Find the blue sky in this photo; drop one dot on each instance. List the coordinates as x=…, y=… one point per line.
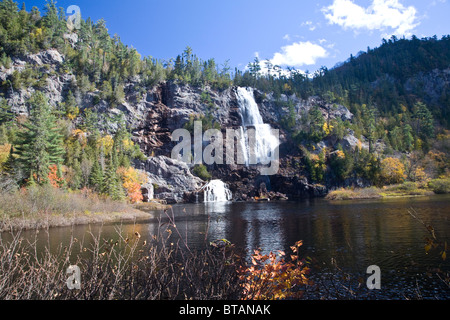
x=299, y=33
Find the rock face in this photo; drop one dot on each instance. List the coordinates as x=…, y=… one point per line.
x=171, y=179
x=49, y=57
x=432, y=83
x=154, y=113
x=48, y=64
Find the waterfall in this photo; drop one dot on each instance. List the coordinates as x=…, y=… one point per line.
x=217, y=191
x=260, y=148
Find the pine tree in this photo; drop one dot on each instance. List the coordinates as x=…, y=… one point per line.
x=118, y=95
x=408, y=139
x=96, y=176
x=6, y=114
x=71, y=107
x=112, y=185
x=8, y=167
x=76, y=181
x=40, y=143
x=423, y=120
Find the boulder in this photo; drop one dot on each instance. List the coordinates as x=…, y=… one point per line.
x=171, y=178
x=50, y=57
x=147, y=191
x=350, y=142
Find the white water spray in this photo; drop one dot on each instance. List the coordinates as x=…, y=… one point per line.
x=217, y=191
x=258, y=149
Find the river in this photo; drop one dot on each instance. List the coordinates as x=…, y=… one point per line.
x=340, y=238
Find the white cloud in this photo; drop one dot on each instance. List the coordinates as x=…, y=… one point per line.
x=311, y=26
x=299, y=54
x=383, y=15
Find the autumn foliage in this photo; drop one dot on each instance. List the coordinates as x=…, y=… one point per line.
x=54, y=177
x=271, y=277
x=132, y=181
x=392, y=171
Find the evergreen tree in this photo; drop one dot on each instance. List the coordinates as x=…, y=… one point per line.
x=70, y=106
x=96, y=176
x=40, y=143
x=316, y=122
x=6, y=114
x=423, y=120
x=76, y=181
x=8, y=167
x=112, y=185
x=408, y=139
x=118, y=95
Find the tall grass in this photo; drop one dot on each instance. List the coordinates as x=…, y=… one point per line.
x=397, y=190
x=129, y=268
x=43, y=206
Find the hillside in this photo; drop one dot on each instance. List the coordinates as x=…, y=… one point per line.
x=399, y=72
x=108, y=112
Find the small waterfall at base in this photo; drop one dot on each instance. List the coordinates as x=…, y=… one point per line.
x=217, y=191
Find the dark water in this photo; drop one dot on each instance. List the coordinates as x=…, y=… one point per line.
x=350, y=235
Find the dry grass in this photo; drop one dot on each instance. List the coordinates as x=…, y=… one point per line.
x=407, y=189
x=124, y=268
x=41, y=207
x=358, y=193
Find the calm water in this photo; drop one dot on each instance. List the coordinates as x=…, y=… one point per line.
x=352, y=234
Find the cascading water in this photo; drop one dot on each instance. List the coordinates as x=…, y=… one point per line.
x=217, y=191
x=261, y=149
x=257, y=148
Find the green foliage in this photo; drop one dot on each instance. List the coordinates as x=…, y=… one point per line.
x=341, y=166
x=440, y=186
x=423, y=120
x=202, y=172
x=288, y=121
x=315, y=165
x=96, y=176
x=112, y=185
x=6, y=114
x=188, y=68
x=40, y=143
x=118, y=95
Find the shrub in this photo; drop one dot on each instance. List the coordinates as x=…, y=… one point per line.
x=392, y=171
x=348, y=194
x=202, y=172
x=440, y=186
x=47, y=200
x=271, y=277
x=126, y=267
x=132, y=180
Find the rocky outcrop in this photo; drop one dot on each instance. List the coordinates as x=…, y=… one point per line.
x=171, y=179
x=433, y=84
x=49, y=57
x=297, y=187
x=55, y=84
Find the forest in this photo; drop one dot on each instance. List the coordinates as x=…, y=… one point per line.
x=386, y=88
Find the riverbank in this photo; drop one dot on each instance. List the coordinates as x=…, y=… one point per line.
x=44, y=207
x=406, y=189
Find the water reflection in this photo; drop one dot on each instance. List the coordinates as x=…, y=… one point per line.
x=356, y=234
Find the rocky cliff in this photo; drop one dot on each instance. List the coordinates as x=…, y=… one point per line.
x=154, y=113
